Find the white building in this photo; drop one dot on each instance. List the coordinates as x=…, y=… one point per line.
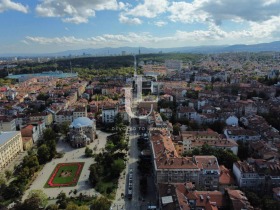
x=10, y=146
x=63, y=116
x=109, y=113
x=238, y=133
x=79, y=112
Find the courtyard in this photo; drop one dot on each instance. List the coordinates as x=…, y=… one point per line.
x=73, y=156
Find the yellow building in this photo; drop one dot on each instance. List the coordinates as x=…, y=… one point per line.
x=10, y=146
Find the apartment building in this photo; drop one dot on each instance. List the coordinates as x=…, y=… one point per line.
x=238, y=133
x=169, y=166
x=196, y=139
x=64, y=116
x=257, y=174
x=80, y=112
x=45, y=116
x=7, y=124
x=10, y=146
x=109, y=113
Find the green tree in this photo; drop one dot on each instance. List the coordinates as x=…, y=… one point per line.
x=2, y=179
x=49, y=134
x=43, y=154
x=93, y=176
x=164, y=118
x=42, y=96
x=176, y=129
x=73, y=206
x=117, y=167
x=14, y=190
x=24, y=174
x=8, y=174
x=253, y=198
x=43, y=198
x=88, y=152
x=101, y=203
x=64, y=128
x=62, y=200
x=243, y=150
x=52, y=207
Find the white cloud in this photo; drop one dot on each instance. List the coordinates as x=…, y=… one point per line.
x=213, y=35
x=129, y=20
x=76, y=11
x=187, y=12
x=10, y=5
x=149, y=9
x=219, y=11
x=253, y=10
x=160, y=23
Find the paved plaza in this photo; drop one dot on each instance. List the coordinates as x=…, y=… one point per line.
x=71, y=155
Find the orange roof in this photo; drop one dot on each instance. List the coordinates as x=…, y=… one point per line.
x=226, y=177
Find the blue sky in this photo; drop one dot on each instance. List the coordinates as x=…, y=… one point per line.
x=42, y=26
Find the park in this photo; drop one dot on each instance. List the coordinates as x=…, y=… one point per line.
x=65, y=175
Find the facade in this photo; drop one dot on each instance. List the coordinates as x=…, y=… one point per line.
x=30, y=131
x=63, y=116
x=79, y=112
x=45, y=116
x=7, y=124
x=109, y=113
x=10, y=146
x=257, y=174
x=169, y=167
x=27, y=143
x=82, y=132
x=238, y=133
x=196, y=139
x=185, y=112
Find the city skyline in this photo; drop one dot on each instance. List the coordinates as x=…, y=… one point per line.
x=49, y=26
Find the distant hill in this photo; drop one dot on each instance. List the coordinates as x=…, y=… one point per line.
x=108, y=51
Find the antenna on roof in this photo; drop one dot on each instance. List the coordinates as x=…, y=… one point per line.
x=8, y=69
x=71, y=67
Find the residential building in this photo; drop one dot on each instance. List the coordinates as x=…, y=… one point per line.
x=188, y=113
x=63, y=116
x=45, y=116
x=109, y=113
x=257, y=174
x=238, y=133
x=226, y=179
x=80, y=112
x=10, y=147
x=7, y=124
x=203, y=171
x=196, y=139
x=27, y=143
x=30, y=131
x=238, y=200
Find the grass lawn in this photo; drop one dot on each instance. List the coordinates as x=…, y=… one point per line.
x=65, y=175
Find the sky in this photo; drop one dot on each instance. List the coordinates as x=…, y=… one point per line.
x=46, y=26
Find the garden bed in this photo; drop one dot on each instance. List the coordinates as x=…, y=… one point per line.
x=65, y=175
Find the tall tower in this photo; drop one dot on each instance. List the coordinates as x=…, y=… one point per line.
x=139, y=51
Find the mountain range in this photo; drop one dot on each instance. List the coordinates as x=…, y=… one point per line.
x=262, y=47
